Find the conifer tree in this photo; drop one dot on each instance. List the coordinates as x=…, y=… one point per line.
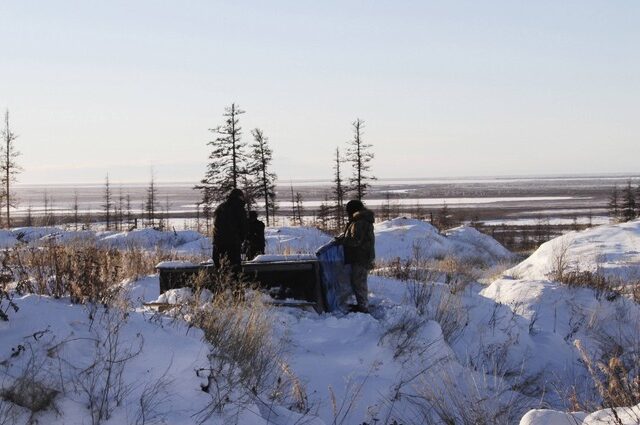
x=338, y=191
x=108, y=202
x=128, y=213
x=614, y=203
x=75, y=208
x=8, y=166
x=638, y=201
x=227, y=161
x=299, y=208
x=293, y=205
x=628, y=203
x=260, y=168
x=151, y=202
x=444, y=217
x=324, y=214
x=359, y=155
x=120, y=210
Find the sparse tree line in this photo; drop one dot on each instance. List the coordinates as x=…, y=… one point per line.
x=119, y=215
x=234, y=163
x=624, y=204
x=330, y=216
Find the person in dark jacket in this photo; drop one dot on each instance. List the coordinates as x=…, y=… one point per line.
x=255, y=243
x=359, y=250
x=230, y=230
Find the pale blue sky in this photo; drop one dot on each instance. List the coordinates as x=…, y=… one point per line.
x=446, y=88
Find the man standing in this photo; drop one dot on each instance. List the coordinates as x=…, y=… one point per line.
x=255, y=237
x=359, y=250
x=230, y=230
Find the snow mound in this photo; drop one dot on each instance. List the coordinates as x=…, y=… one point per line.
x=54, y=332
x=472, y=242
x=150, y=238
x=177, y=264
x=267, y=258
x=551, y=417
x=613, y=250
x=294, y=240
x=407, y=238
x=622, y=415
x=182, y=241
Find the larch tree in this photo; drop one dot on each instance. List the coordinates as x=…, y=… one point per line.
x=324, y=214
x=293, y=205
x=444, y=218
x=151, y=202
x=260, y=168
x=628, y=203
x=359, y=155
x=614, y=203
x=338, y=191
x=75, y=208
x=299, y=213
x=638, y=201
x=227, y=160
x=9, y=167
x=108, y=202
x=128, y=211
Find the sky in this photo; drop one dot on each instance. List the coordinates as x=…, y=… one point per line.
x=446, y=88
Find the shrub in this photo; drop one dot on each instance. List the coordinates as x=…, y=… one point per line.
x=245, y=361
x=82, y=270
x=617, y=383
x=6, y=296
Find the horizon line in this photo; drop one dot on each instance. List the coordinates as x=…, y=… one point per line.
x=379, y=179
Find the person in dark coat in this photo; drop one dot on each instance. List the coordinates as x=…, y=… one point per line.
x=230, y=230
x=255, y=242
x=359, y=250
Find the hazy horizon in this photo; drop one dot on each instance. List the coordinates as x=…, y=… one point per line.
x=378, y=181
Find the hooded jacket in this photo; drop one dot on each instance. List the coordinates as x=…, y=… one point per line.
x=230, y=224
x=359, y=239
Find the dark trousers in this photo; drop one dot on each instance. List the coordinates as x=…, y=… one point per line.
x=359, y=275
x=232, y=253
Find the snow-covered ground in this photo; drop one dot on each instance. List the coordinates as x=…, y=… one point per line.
x=408, y=238
x=613, y=250
x=425, y=354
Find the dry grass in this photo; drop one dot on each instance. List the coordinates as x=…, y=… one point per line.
x=618, y=384
x=31, y=389
x=246, y=363
x=6, y=296
x=82, y=270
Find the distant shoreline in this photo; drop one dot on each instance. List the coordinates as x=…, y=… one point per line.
x=379, y=182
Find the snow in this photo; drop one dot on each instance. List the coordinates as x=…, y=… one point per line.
x=407, y=238
x=266, y=258
x=175, y=264
x=185, y=242
x=294, y=240
x=613, y=250
x=515, y=345
x=622, y=415
x=168, y=352
x=552, y=417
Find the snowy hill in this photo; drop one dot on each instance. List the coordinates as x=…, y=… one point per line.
x=406, y=238
x=613, y=250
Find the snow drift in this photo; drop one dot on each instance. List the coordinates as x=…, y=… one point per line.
x=407, y=238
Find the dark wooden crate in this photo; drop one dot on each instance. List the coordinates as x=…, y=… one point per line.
x=284, y=280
